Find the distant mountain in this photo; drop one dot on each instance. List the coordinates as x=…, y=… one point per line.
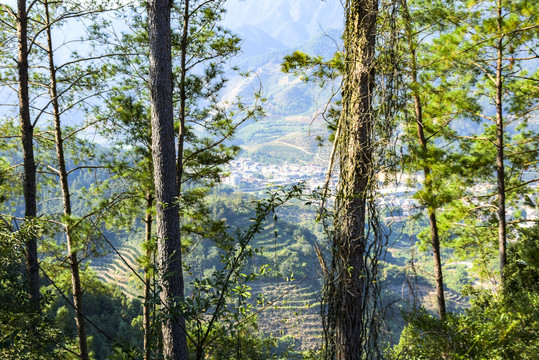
x=289, y=131
x=291, y=22
x=257, y=42
x=272, y=29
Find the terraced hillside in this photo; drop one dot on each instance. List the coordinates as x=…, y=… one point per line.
x=295, y=312
x=118, y=270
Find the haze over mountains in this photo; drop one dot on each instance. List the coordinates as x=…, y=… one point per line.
x=284, y=23
x=271, y=30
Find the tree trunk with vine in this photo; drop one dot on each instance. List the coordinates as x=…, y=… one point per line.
x=355, y=156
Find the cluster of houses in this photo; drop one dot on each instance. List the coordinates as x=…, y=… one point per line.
x=397, y=200
x=248, y=175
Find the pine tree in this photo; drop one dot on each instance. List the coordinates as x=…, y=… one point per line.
x=437, y=98
x=65, y=84
x=200, y=49
x=427, y=169
x=495, y=40
x=20, y=19
x=166, y=191
x=27, y=138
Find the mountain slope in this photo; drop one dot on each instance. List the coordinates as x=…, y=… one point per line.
x=290, y=22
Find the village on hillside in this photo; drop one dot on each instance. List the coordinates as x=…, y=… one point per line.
x=397, y=197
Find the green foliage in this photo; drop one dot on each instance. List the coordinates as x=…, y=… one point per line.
x=491, y=329
x=23, y=333
x=227, y=245
x=219, y=311
x=523, y=270
x=453, y=49
x=114, y=314
x=243, y=344
x=314, y=67
x=495, y=326
x=5, y=186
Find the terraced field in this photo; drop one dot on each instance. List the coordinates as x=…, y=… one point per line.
x=118, y=270
x=294, y=305
x=295, y=311
x=426, y=295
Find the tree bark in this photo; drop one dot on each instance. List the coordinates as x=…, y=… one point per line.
x=183, y=95
x=27, y=137
x=500, y=171
x=147, y=278
x=66, y=199
x=166, y=193
x=438, y=274
x=355, y=154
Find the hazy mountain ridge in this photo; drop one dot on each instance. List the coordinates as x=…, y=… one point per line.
x=292, y=107
x=271, y=30
x=289, y=22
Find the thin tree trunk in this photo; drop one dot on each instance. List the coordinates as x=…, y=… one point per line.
x=183, y=95
x=434, y=237
x=166, y=191
x=500, y=172
x=73, y=261
x=438, y=275
x=351, y=333
x=27, y=137
x=147, y=278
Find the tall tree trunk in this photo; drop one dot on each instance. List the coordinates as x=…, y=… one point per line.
x=148, y=279
x=434, y=237
x=500, y=172
x=166, y=193
x=66, y=199
x=27, y=137
x=418, y=108
x=355, y=154
x=183, y=95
